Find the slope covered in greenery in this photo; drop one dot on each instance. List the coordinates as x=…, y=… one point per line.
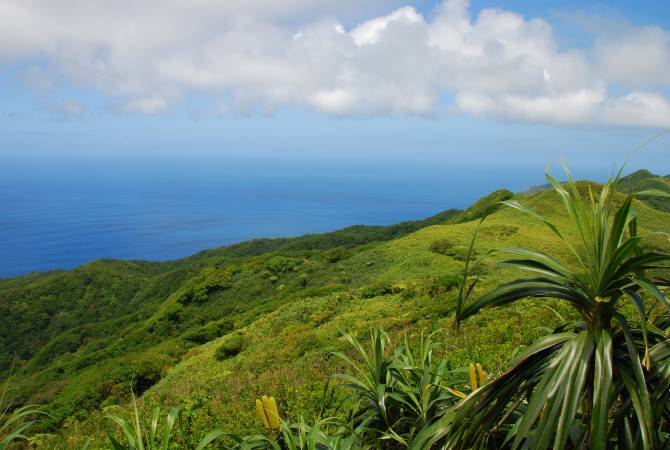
x=82, y=339
x=643, y=180
x=212, y=332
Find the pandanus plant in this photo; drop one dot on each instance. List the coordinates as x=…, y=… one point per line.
x=602, y=382
x=398, y=393
x=137, y=436
x=15, y=424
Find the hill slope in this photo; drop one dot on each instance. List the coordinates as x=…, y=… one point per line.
x=643, y=180
x=82, y=339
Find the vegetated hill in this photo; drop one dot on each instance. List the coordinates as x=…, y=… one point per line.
x=82, y=338
x=643, y=180
x=215, y=331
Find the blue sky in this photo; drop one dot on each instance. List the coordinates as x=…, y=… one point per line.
x=517, y=82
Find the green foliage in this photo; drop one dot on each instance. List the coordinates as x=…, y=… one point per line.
x=281, y=265
x=441, y=246
x=380, y=289
x=643, y=180
x=15, y=424
x=337, y=254
x=400, y=394
x=210, y=331
x=231, y=347
x=349, y=237
x=199, y=288
x=137, y=436
x=443, y=284
x=599, y=383
x=484, y=206
x=301, y=436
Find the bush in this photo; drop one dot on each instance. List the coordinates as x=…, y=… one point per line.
x=210, y=280
x=173, y=313
x=338, y=254
x=444, y=284
x=210, y=331
x=232, y=347
x=440, y=246
x=378, y=290
x=279, y=265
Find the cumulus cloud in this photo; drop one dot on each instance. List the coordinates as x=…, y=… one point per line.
x=638, y=56
x=267, y=54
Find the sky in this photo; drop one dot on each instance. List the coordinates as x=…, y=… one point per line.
x=515, y=82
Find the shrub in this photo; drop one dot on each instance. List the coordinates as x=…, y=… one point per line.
x=378, y=290
x=202, y=286
x=173, y=313
x=441, y=246
x=444, y=284
x=337, y=254
x=210, y=331
x=232, y=347
x=279, y=265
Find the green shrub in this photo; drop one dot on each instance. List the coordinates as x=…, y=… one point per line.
x=441, y=246
x=173, y=313
x=378, y=290
x=444, y=284
x=232, y=347
x=279, y=265
x=338, y=254
x=210, y=331
x=210, y=280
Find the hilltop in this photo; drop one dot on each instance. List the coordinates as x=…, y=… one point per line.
x=214, y=331
x=643, y=180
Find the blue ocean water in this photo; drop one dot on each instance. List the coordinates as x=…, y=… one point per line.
x=58, y=214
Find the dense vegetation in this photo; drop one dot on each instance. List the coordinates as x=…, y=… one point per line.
x=211, y=333
x=643, y=180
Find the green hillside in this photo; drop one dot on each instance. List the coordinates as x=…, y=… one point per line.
x=213, y=332
x=643, y=180
x=83, y=338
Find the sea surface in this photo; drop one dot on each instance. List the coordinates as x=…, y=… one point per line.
x=60, y=213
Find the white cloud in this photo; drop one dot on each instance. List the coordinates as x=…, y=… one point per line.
x=370, y=32
x=638, y=108
x=148, y=105
x=268, y=54
x=639, y=57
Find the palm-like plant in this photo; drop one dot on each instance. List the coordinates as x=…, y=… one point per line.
x=600, y=383
x=15, y=424
x=398, y=394
x=301, y=436
x=136, y=436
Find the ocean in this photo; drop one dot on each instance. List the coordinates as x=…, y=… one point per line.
x=61, y=213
